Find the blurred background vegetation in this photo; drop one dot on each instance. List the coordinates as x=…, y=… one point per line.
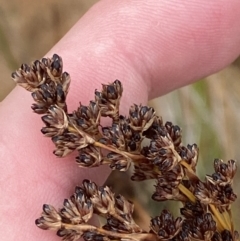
x=207, y=111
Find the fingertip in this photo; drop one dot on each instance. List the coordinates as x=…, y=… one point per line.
x=164, y=44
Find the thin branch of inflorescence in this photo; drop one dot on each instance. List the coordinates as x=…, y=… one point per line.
x=206, y=204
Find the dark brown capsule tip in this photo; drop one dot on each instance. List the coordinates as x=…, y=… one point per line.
x=111, y=89
x=216, y=176
x=169, y=123
x=25, y=68
x=98, y=94
x=144, y=110
x=44, y=130
x=162, y=151
x=55, y=56
x=46, y=208
x=176, y=128
x=132, y=145
x=118, y=82
x=14, y=75
x=35, y=62
x=61, y=233
x=217, y=161
x=86, y=181
x=66, y=203
x=38, y=221
x=226, y=235
x=56, y=65
x=80, y=193
x=65, y=75
x=47, y=119
x=60, y=93
x=45, y=61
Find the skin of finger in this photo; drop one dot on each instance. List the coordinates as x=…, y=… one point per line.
x=168, y=43
x=151, y=46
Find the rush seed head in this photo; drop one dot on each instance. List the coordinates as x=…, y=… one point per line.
x=206, y=204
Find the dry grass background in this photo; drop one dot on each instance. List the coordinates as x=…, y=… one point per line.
x=207, y=111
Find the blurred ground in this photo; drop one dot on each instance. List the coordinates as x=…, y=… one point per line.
x=207, y=111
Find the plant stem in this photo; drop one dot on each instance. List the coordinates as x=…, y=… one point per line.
x=134, y=157
x=227, y=219
x=125, y=236
x=221, y=224
x=187, y=193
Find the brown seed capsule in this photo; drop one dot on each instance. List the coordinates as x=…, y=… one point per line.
x=69, y=235
x=90, y=187
x=103, y=201
x=112, y=91
x=165, y=226
x=165, y=159
x=56, y=66
x=92, y=236
x=191, y=210
x=190, y=155
x=50, y=218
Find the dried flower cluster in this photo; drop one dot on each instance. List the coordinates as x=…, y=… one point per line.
x=206, y=204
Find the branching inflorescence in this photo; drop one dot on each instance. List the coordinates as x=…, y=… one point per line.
x=206, y=205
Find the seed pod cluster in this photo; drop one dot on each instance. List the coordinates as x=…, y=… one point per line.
x=141, y=139
x=71, y=220
x=44, y=78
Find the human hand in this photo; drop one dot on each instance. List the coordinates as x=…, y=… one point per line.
x=152, y=46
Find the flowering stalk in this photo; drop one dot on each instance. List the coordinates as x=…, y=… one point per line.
x=206, y=204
